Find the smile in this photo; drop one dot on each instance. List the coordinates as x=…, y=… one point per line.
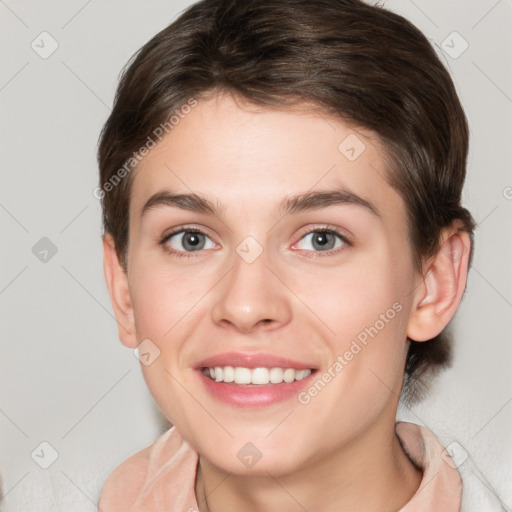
x=255, y=376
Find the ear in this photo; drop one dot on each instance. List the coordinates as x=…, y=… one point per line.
x=444, y=280
x=117, y=284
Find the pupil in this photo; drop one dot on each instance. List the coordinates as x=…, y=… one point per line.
x=323, y=241
x=192, y=241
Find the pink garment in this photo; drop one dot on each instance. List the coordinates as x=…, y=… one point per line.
x=161, y=478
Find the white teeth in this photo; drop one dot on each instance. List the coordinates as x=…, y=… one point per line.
x=300, y=374
x=276, y=375
x=289, y=375
x=258, y=376
x=229, y=374
x=242, y=376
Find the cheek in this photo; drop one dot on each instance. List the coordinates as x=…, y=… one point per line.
x=366, y=310
x=364, y=371
x=165, y=308
x=163, y=299
x=351, y=298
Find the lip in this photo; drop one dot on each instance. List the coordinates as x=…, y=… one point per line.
x=252, y=395
x=252, y=360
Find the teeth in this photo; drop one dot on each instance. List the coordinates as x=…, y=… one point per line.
x=276, y=375
x=289, y=375
x=228, y=374
x=242, y=375
x=258, y=376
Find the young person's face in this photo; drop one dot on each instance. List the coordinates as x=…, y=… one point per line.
x=266, y=284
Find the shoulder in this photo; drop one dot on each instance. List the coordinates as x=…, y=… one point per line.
x=440, y=464
x=136, y=481
x=124, y=484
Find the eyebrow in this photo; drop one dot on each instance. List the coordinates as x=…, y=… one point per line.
x=289, y=205
x=322, y=199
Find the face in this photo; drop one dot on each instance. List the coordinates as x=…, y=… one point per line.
x=266, y=247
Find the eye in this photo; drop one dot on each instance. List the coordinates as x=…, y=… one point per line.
x=187, y=241
x=322, y=240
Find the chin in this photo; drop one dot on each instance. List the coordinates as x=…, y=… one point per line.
x=253, y=462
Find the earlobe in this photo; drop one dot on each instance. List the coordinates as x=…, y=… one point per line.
x=439, y=295
x=117, y=284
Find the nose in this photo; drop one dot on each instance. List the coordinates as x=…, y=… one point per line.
x=251, y=297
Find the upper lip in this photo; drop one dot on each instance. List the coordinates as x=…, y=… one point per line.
x=252, y=360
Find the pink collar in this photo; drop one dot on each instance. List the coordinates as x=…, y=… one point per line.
x=163, y=476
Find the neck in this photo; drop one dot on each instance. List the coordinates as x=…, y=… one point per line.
x=372, y=474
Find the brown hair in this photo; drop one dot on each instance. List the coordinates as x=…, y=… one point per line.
x=364, y=64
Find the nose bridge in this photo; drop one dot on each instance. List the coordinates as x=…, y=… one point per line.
x=251, y=294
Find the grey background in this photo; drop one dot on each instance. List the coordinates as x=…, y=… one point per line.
x=65, y=378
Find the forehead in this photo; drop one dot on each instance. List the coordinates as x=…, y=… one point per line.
x=248, y=158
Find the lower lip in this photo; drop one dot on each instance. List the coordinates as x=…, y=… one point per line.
x=253, y=395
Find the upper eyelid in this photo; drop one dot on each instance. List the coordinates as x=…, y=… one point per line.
x=184, y=229
x=346, y=236
x=324, y=227
x=307, y=231
x=344, y=239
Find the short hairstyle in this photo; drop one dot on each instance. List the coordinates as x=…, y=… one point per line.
x=366, y=65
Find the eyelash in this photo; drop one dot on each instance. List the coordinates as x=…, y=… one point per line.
x=183, y=229
x=314, y=254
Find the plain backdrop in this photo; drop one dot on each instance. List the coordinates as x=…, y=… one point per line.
x=66, y=380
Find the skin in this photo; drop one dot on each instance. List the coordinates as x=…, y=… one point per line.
x=326, y=454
